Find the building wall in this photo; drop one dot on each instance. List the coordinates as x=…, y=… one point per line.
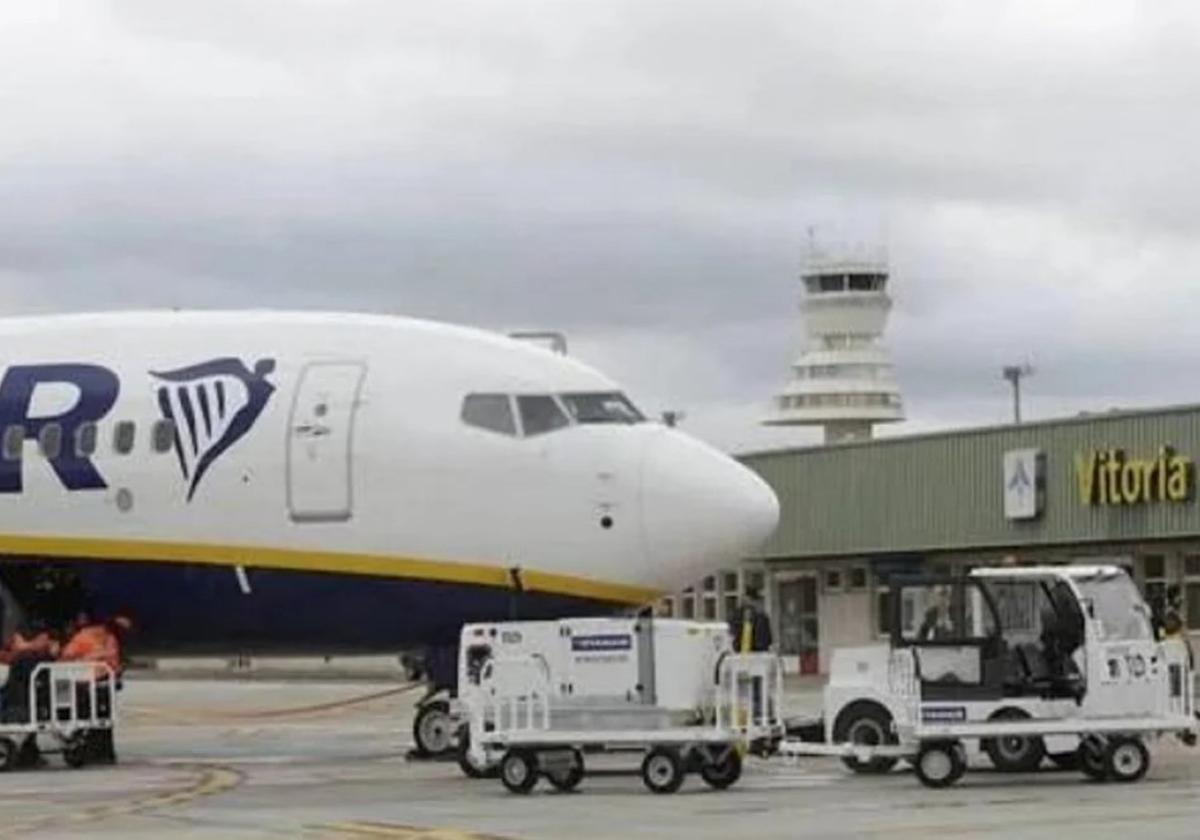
x=936, y=503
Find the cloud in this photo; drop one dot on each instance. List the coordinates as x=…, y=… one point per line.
x=639, y=174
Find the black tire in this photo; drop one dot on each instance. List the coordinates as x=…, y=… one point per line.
x=1127, y=759
x=939, y=764
x=1014, y=754
x=663, y=771
x=725, y=773
x=519, y=771
x=77, y=752
x=8, y=755
x=1093, y=759
x=433, y=730
x=468, y=767
x=869, y=724
x=1065, y=761
x=568, y=779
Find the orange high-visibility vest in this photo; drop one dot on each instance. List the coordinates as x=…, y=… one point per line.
x=94, y=643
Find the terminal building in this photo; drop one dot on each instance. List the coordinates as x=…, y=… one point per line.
x=1112, y=488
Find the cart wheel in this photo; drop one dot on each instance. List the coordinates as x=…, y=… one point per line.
x=725, y=773
x=940, y=764
x=1093, y=759
x=1014, y=754
x=8, y=755
x=1127, y=759
x=77, y=751
x=566, y=779
x=432, y=729
x=663, y=770
x=866, y=724
x=519, y=771
x=468, y=767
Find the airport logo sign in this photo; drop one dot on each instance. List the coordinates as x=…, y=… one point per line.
x=212, y=406
x=1024, y=484
x=1110, y=478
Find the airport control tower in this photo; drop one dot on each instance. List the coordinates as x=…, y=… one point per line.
x=843, y=379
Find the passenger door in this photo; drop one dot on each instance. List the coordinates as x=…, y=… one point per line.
x=320, y=466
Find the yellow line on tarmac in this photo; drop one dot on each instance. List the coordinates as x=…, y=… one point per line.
x=209, y=781
x=209, y=715
x=403, y=832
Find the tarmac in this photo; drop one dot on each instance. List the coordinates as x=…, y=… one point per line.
x=224, y=758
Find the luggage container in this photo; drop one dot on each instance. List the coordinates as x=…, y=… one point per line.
x=70, y=704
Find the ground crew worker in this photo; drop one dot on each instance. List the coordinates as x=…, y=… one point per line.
x=750, y=626
x=100, y=642
x=25, y=651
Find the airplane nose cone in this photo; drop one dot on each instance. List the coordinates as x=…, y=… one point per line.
x=701, y=509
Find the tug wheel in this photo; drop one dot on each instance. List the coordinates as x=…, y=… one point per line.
x=433, y=730
x=663, y=770
x=519, y=771
x=566, y=779
x=1127, y=759
x=1014, y=754
x=8, y=755
x=1093, y=759
x=468, y=767
x=723, y=774
x=866, y=724
x=940, y=764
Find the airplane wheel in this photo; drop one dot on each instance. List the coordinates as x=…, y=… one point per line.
x=940, y=764
x=468, y=767
x=566, y=779
x=866, y=724
x=432, y=729
x=1093, y=760
x=663, y=771
x=519, y=771
x=1127, y=759
x=8, y=755
x=725, y=773
x=1014, y=754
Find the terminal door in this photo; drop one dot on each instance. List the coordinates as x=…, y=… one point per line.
x=320, y=459
x=799, y=623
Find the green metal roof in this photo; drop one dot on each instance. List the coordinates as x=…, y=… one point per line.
x=946, y=491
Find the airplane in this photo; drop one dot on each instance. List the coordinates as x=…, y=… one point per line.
x=268, y=482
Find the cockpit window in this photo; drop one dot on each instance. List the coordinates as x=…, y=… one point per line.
x=540, y=415
x=601, y=408
x=490, y=411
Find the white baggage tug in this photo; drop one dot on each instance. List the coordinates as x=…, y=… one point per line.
x=1020, y=663
x=539, y=695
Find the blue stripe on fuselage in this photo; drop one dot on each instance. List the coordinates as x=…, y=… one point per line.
x=200, y=609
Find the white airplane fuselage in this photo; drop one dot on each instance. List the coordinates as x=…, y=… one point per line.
x=310, y=482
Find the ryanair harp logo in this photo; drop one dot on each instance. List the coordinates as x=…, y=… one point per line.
x=213, y=405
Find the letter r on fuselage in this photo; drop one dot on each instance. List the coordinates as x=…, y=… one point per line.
x=98, y=391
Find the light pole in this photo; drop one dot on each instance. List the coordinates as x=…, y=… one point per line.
x=1014, y=374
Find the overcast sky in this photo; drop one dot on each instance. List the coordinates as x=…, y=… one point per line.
x=639, y=174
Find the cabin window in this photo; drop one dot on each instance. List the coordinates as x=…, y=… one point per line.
x=124, y=437
x=490, y=411
x=50, y=440
x=14, y=443
x=85, y=440
x=601, y=408
x=540, y=415
x=162, y=438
